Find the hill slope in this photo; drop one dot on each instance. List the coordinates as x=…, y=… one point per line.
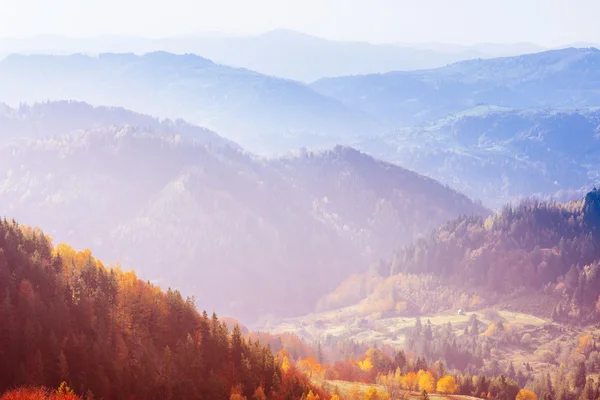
x=537, y=257
x=556, y=78
x=67, y=318
x=188, y=212
x=258, y=111
x=500, y=154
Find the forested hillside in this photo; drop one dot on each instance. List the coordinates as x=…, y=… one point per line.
x=43, y=120
x=65, y=317
x=501, y=307
x=185, y=208
x=537, y=257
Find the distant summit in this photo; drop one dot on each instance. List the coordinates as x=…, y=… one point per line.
x=260, y=112
x=556, y=78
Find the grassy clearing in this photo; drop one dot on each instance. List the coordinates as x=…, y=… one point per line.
x=351, y=324
x=343, y=388
x=375, y=329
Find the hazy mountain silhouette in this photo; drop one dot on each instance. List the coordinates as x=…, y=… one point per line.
x=194, y=212
x=281, y=52
x=258, y=111
x=557, y=78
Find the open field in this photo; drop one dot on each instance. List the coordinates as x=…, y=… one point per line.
x=375, y=328
x=539, y=351
x=343, y=388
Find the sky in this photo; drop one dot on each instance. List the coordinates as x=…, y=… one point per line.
x=543, y=22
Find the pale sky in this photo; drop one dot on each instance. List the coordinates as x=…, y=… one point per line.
x=544, y=22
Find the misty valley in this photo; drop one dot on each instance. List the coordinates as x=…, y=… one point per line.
x=274, y=217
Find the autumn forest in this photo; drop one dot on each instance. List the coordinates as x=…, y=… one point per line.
x=281, y=216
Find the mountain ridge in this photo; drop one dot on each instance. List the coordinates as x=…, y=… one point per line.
x=555, y=78
x=216, y=206
x=253, y=109
x=501, y=154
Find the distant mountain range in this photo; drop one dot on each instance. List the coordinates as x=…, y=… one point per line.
x=260, y=112
x=282, y=52
x=510, y=117
x=189, y=209
x=558, y=78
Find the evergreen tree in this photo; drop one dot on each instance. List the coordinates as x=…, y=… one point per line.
x=400, y=360
x=580, y=376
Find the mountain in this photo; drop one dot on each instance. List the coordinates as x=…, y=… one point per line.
x=52, y=119
x=511, y=300
x=281, y=52
x=191, y=210
x=500, y=154
x=260, y=112
x=537, y=257
x=556, y=78
x=484, y=50
x=107, y=334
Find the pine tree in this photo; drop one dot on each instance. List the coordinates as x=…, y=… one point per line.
x=236, y=347
x=580, y=376
x=400, y=360
x=63, y=367
x=64, y=388
x=511, y=371
x=421, y=364
x=474, y=325
x=418, y=327
x=589, y=391
x=319, y=354
x=428, y=332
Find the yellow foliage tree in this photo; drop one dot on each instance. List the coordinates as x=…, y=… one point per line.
x=285, y=365
x=586, y=343
x=236, y=393
x=365, y=365
x=489, y=223
x=410, y=381
x=311, y=367
x=259, y=394
x=447, y=385
x=335, y=397
x=526, y=395
x=312, y=396
x=371, y=393
x=398, y=376
x=63, y=388
x=426, y=381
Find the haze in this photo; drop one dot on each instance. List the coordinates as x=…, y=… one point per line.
x=544, y=22
x=395, y=199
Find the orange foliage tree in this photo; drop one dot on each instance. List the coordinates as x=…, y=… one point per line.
x=447, y=385
x=410, y=381
x=526, y=395
x=426, y=381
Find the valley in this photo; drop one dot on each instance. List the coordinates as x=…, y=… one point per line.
x=284, y=216
x=352, y=324
x=126, y=185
